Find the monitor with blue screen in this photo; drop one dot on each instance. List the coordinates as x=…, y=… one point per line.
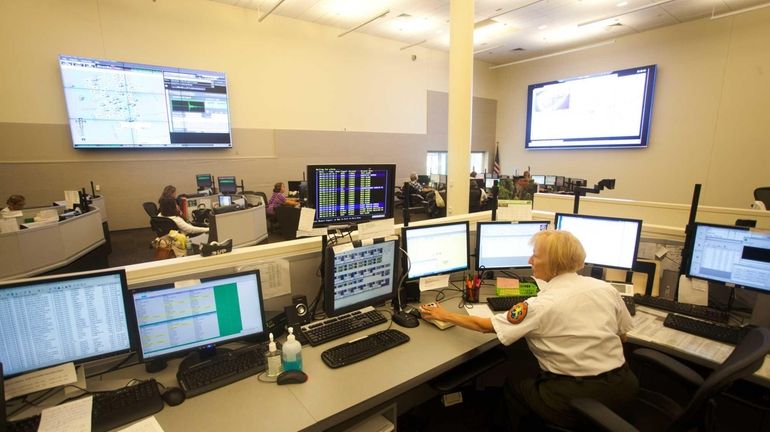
x=731, y=255
x=608, y=242
x=436, y=249
x=202, y=314
x=356, y=277
x=227, y=185
x=505, y=245
x=74, y=318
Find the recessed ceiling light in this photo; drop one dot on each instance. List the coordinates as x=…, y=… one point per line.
x=624, y=3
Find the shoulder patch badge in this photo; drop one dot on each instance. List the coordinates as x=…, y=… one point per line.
x=517, y=313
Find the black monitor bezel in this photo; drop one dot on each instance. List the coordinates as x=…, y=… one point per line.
x=328, y=291
x=312, y=188
x=478, y=241
x=688, y=265
x=404, y=246
x=235, y=185
x=130, y=323
x=556, y=217
x=209, y=184
x=185, y=351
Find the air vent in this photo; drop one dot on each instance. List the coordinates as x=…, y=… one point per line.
x=518, y=49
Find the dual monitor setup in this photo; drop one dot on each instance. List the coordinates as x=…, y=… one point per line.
x=226, y=184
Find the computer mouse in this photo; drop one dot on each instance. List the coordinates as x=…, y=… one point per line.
x=405, y=319
x=173, y=396
x=292, y=377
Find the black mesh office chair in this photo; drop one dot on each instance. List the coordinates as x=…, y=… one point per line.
x=161, y=225
x=657, y=412
x=474, y=200
x=763, y=194
x=151, y=208
x=288, y=221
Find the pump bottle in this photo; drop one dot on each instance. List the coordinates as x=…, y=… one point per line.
x=291, y=356
x=273, y=356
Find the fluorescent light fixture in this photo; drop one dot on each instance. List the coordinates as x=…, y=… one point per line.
x=382, y=14
x=630, y=11
x=487, y=49
x=271, y=10
x=406, y=23
x=413, y=45
x=612, y=41
x=621, y=4
x=740, y=11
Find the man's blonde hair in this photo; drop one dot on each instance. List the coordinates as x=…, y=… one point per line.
x=562, y=249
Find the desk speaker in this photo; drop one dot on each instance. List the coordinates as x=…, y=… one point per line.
x=298, y=313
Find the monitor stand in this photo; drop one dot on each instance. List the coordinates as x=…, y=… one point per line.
x=200, y=356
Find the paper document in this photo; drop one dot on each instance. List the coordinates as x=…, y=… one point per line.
x=646, y=250
x=40, y=380
x=150, y=424
x=8, y=225
x=515, y=212
x=70, y=417
x=274, y=276
x=306, y=216
x=694, y=291
x=648, y=326
x=434, y=282
x=376, y=229
x=479, y=310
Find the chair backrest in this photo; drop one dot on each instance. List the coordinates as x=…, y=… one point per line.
x=746, y=358
x=151, y=208
x=474, y=200
x=288, y=219
x=763, y=194
x=162, y=225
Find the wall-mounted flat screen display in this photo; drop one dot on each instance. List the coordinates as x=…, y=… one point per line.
x=114, y=104
x=610, y=109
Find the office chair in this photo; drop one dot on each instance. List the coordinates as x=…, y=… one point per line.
x=151, y=208
x=162, y=225
x=763, y=194
x=474, y=200
x=656, y=412
x=288, y=221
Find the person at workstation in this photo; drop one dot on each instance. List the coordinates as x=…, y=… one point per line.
x=575, y=327
x=14, y=203
x=279, y=198
x=525, y=187
x=416, y=186
x=169, y=209
x=473, y=178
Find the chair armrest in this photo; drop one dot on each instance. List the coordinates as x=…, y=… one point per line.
x=601, y=416
x=677, y=368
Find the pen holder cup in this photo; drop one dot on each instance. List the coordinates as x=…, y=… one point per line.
x=472, y=293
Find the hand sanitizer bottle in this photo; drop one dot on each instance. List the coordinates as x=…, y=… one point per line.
x=273, y=356
x=292, y=355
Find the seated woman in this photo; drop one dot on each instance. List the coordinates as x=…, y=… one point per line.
x=575, y=327
x=14, y=203
x=169, y=209
x=279, y=199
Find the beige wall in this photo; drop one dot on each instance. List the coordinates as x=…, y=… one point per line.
x=710, y=118
x=298, y=94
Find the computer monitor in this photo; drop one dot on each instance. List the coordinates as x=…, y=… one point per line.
x=559, y=181
x=423, y=179
x=204, y=181
x=225, y=200
x=539, y=179
x=436, y=249
x=731, y=255
x=608, y=242
x=505, y=245
x=293, y=185
x=356, y=277
x=175, y=320
x=550, y=180
x=490, y=183
x=351, y=193
x=74, y=318
x=227, y=185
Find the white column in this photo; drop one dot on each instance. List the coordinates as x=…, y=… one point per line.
x=460, y=104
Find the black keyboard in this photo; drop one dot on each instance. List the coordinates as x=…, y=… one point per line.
x=702, y=312
x=111, y=409
x=710, y=330
x=343, y=325
x=360, y=349
x=630, y=304
x=504, y=303
x=226, y=368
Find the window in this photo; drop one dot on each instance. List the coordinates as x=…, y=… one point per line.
x=436, y=162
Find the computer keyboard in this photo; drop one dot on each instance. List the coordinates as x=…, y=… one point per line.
x=343, y=325
x=224, y=369
x=504, y=303
x=630, y=304
x=360, y=349
x=709, y=330
x=696, y=311
x=111, y=409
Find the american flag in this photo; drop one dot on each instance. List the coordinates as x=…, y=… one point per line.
x=496, y=166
